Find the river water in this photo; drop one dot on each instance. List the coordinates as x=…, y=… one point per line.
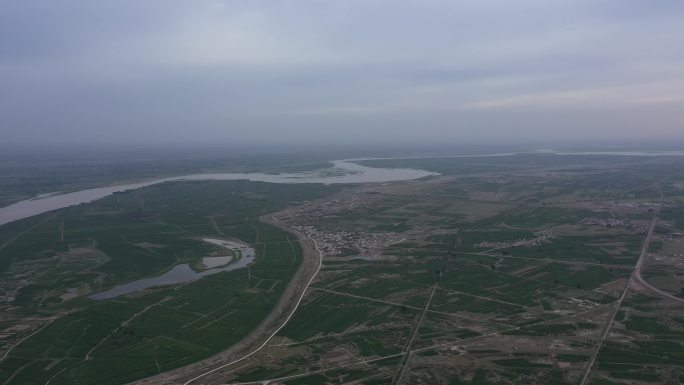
x=242, y=255
x=340, y=172
x=182, y=273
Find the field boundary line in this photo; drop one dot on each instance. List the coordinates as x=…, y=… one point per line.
x=27, y=337
x=634, y=276
x=318, y=268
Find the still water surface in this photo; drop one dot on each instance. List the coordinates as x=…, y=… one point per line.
x=244, y=255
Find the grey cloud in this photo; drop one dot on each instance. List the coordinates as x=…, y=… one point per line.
x=83, y=70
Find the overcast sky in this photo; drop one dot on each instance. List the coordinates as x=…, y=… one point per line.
x=340, y=70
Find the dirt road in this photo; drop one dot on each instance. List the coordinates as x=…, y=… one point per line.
x=205, y=371
x=635, y=277
x=408, y=353
x=638, y=278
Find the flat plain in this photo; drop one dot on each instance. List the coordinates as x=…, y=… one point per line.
x=534, y=269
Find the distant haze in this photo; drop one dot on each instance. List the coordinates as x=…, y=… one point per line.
x=296, y=71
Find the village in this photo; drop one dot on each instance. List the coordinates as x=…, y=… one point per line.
x=541, y=236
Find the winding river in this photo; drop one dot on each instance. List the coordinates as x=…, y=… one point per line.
x=244, y=255
x=241, y=254
x=340, y=172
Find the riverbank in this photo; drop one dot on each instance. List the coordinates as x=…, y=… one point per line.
x=341, y=172
x=278, y=316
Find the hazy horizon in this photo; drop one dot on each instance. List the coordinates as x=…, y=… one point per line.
x=109, y=153
x=307, y=73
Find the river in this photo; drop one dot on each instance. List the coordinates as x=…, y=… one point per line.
x=340, y=172
x=244, y=255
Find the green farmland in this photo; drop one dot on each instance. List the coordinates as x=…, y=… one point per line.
x=133, y=235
